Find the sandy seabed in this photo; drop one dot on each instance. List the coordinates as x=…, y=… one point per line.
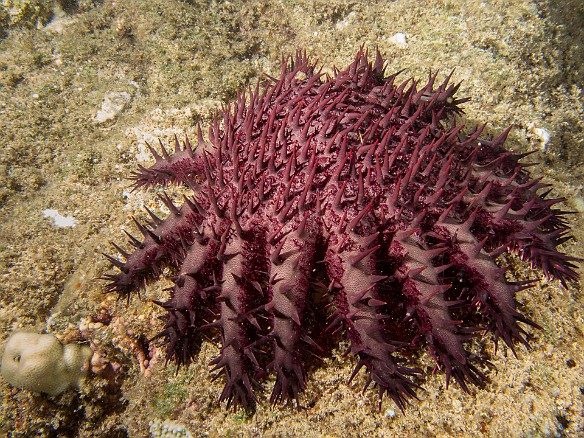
x=162, y=67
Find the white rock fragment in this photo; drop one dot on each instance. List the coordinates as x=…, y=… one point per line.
x=58, y=219
x=544, y=137
x=143, y=155
x=399, y=39
x=113, y=103
x=168, y=429
x=40, y=363
x=578, y=203
x=58, y=24
x=340, y=25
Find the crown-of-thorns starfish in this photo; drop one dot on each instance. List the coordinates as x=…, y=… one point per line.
x=354, y=197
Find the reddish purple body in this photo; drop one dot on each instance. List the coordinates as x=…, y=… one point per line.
x=351, y=197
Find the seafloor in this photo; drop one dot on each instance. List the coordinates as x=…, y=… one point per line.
x=171, y=64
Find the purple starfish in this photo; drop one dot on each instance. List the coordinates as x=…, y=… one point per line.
x=349, y=196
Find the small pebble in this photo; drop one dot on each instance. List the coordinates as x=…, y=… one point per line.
x=399, y=39
x=113, y=103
